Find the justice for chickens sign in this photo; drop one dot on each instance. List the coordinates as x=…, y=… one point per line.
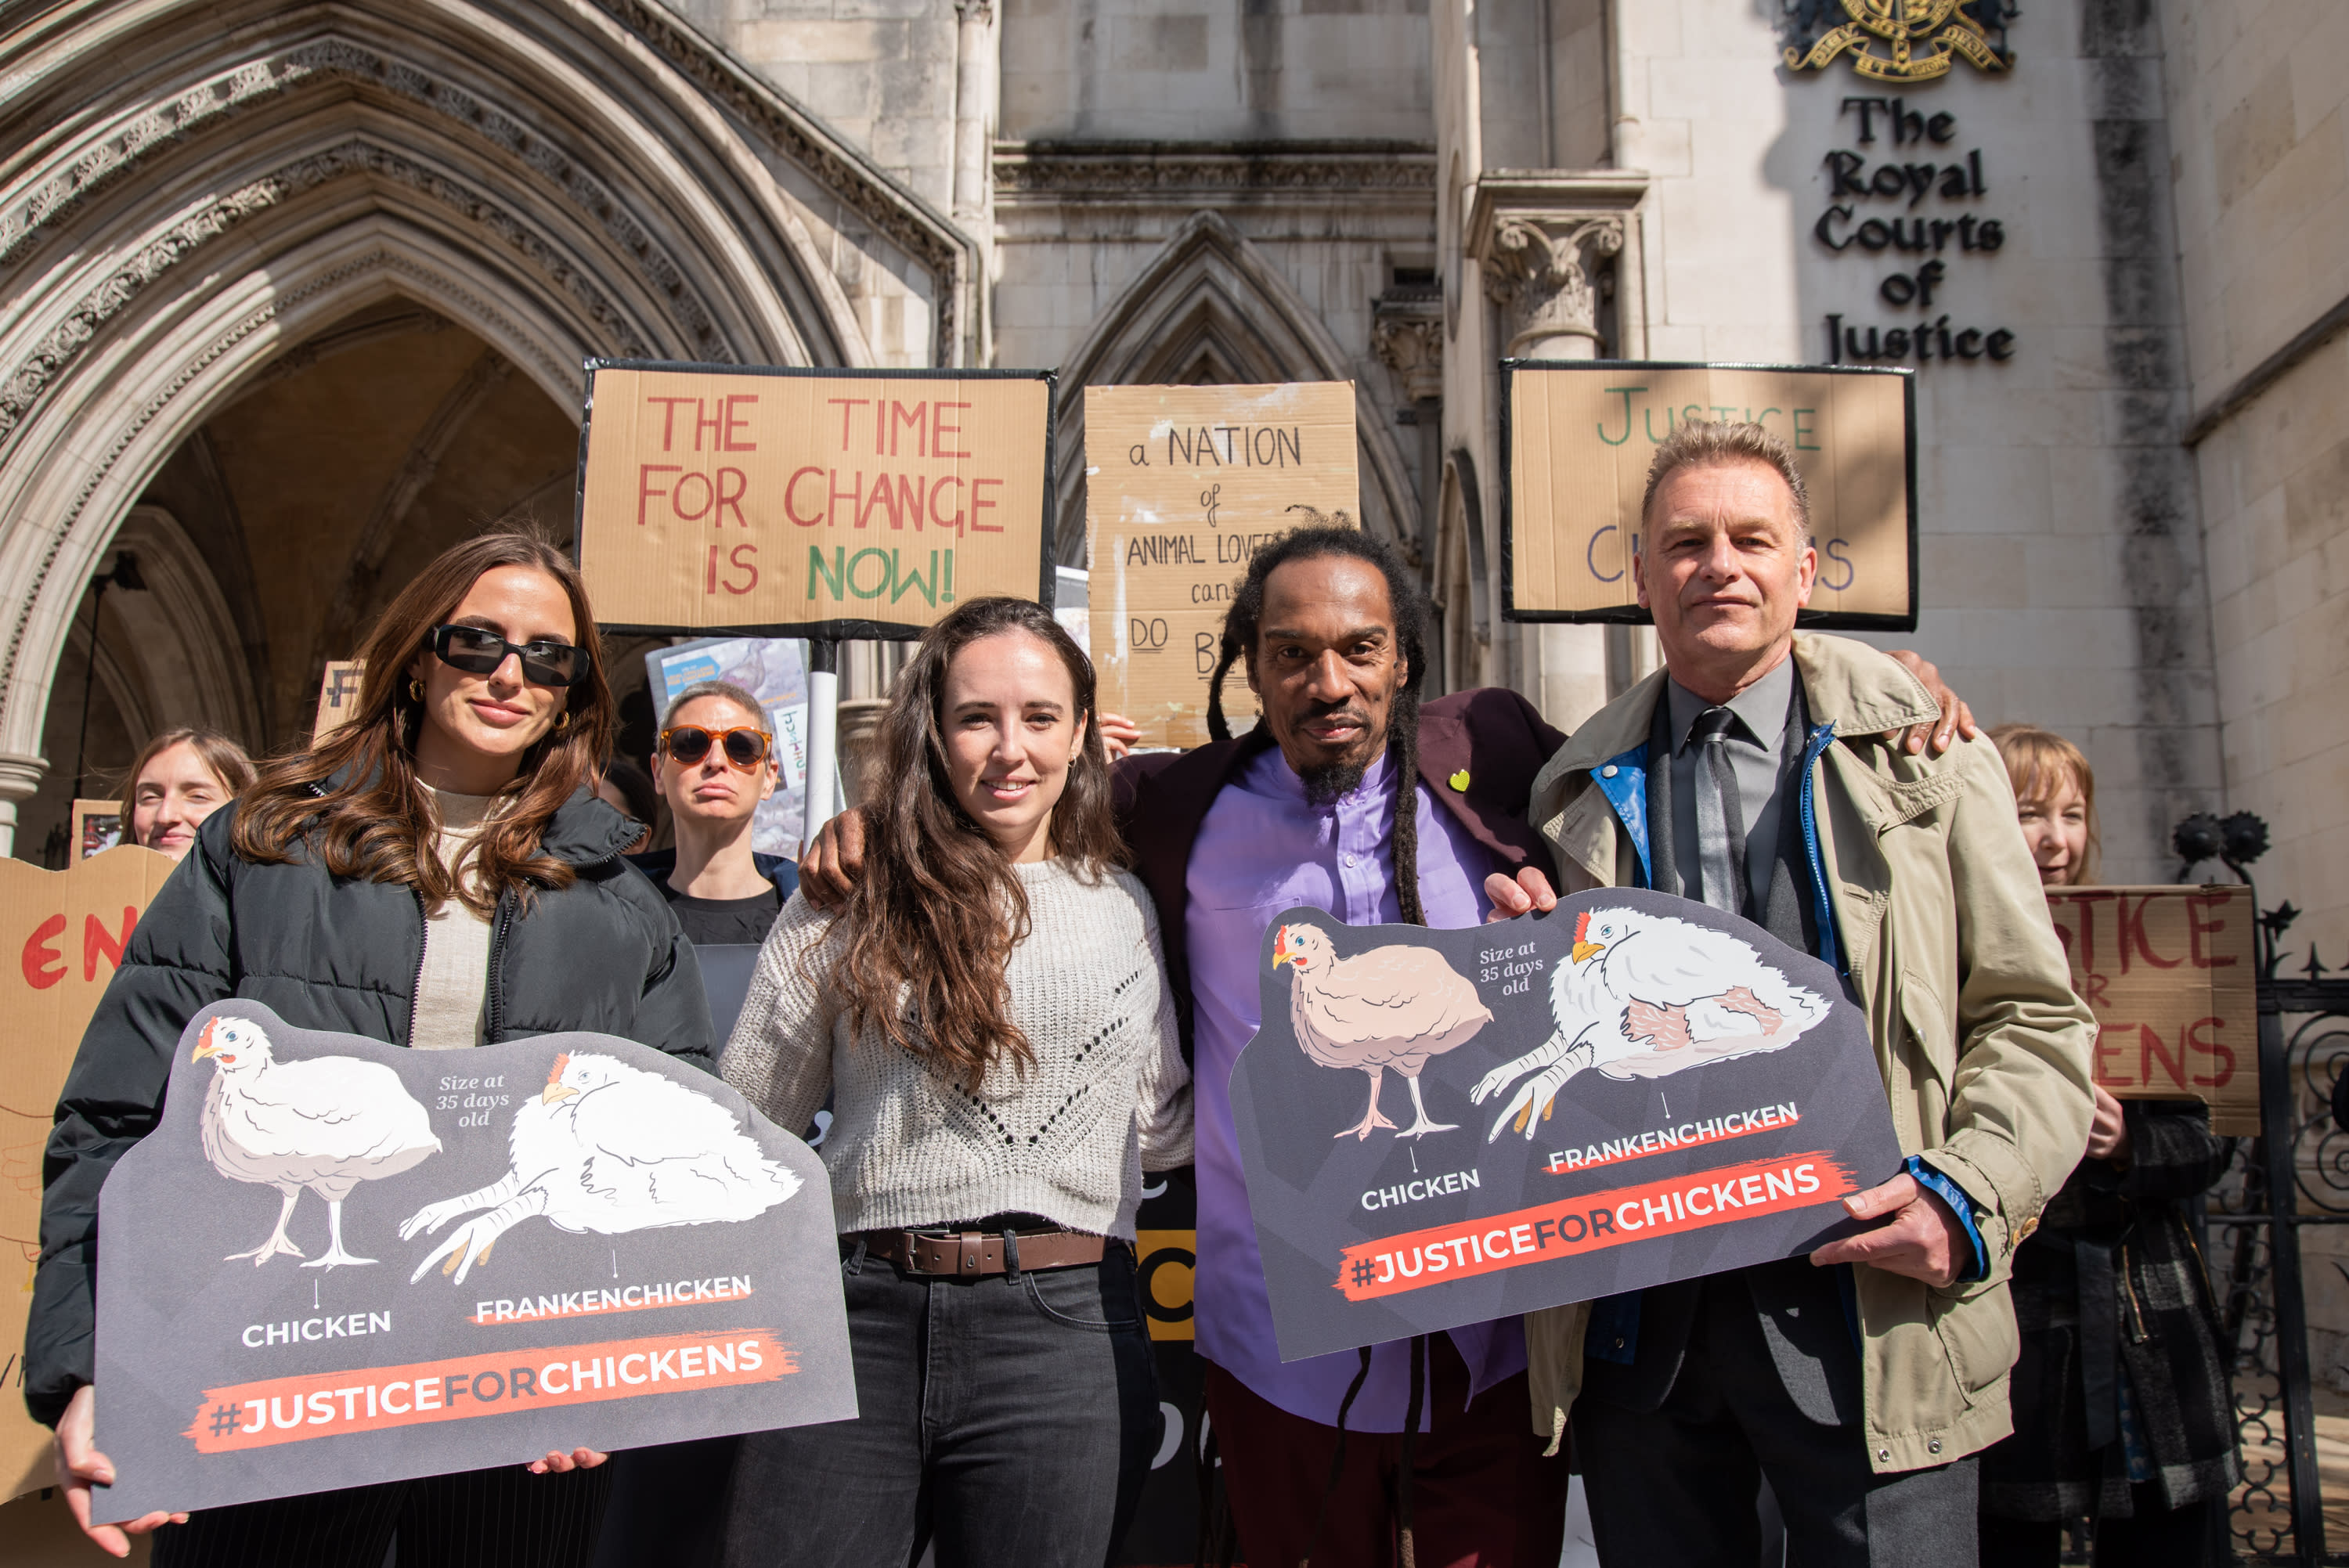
x=336, y=1261
x=803, y=504
x=1631, y=1089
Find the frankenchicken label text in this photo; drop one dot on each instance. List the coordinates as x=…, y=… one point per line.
x=1687, y=1135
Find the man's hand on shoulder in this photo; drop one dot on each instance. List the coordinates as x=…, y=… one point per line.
x=834, y=861
x=1920, y=1238
x=1957, y=719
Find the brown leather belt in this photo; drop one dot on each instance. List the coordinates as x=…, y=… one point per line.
x=970, y=1254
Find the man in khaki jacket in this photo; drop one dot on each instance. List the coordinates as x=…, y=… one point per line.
x=1761, y=772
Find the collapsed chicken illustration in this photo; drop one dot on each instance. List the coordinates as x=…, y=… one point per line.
x=324, y=1124
x=1389, y=1008
x=1647, y=995
x=611, y=1149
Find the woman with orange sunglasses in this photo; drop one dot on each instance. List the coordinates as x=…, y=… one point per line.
x=715, y=765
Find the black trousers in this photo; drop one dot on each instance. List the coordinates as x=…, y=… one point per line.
x=2194, y=1536
x=502, y=1518
x=1677, y=1485
x=1009, y=1421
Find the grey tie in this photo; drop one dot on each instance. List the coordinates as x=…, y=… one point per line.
x=1720, y=820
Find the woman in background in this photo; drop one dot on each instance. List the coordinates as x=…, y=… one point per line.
x=182, y=777
x=2122, y=1407
x=990, y=1012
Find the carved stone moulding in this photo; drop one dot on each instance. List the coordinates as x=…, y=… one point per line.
x=1198, y=171
x=1407, y=335
x=1544, y=242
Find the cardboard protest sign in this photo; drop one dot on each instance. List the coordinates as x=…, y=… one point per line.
x=338, y=1262
x=2172, y=975
x=1632, y=1089
x=1184, y=485
x=339, y=697
x=817, y=503
x=66, y=931
x=1577, y=437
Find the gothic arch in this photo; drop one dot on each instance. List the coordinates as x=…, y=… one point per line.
x=182, y=636
x=1211, y=307
x=207, y=184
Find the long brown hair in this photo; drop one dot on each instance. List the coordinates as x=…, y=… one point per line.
x=378, y=822
x=224, y=757
x=939, y=908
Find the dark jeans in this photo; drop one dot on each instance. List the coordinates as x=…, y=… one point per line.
x=2152, y=1536
x=1678, y=1484
x=502, y=1518
x=1481, y=1493
x=1009, y=1421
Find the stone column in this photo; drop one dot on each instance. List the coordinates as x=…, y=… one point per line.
x=977, y=68
x=1407, y=335
x=20, y=777
x=1544, y=272
x=1559, y=254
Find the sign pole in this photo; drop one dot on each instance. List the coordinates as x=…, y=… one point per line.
x=824, y=733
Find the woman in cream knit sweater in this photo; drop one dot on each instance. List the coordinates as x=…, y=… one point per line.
x=990, y=1016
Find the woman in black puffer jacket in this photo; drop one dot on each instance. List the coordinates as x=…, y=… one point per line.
x=436, y=874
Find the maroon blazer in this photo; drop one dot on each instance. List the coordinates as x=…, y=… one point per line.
x=1492, y=733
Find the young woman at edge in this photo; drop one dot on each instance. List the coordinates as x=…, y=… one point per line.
x=991, y=1014
x=437, y=874
x=179, y=778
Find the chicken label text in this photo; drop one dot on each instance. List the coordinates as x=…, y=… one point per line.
x=326, y=1404
x=1687, y=1135
x=1418, y=1191
x=1440, y=1253
x=262, y=1336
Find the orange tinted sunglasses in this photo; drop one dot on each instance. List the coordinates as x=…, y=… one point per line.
x=745, y=746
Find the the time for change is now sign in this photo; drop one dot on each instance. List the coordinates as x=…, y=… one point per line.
x=2172, y=975
x=1578, y=438
x=1184, y=485
x=804, y=503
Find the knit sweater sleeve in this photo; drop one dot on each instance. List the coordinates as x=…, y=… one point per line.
x=780, y=1053
x=1163, y=1118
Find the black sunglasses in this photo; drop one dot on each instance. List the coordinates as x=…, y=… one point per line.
x=478, y=651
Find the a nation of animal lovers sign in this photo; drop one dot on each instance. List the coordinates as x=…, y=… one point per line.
x=1630, y=1089
x=1183, y=486
x=337, y=1262
x=815, y=503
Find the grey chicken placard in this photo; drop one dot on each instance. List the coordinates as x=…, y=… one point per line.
x=1631, y=1089
x=336, y=1262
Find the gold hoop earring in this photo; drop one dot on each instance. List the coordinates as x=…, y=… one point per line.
x=564, y=722
x=415, y=689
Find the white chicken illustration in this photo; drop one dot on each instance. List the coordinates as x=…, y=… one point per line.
x=324, y=1124
x=1647, y=995
x=610, y=1149
x=1389, y=1008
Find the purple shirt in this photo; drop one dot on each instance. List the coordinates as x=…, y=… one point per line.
x=1263, y=850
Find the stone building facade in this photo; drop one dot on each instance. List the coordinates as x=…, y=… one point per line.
x=297, y=293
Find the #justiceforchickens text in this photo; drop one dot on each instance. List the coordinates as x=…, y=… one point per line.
x=328, y=1404
x=1441, y=1254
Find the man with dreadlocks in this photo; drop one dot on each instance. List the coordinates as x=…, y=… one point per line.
x=1350, y=796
